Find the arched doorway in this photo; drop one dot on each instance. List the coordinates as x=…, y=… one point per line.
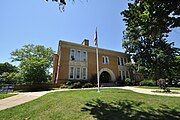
x=108, y=74
x=105, y=77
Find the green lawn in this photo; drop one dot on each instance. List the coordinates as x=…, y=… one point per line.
x=109, y=104
x=156, y=87
x=4, y=95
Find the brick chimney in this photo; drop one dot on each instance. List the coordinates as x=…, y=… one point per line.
x=85, y=42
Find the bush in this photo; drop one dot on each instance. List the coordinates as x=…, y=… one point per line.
x=128, y=81
x=147, y=83
x=10, y=78
x=63, y=86
x=68, y=83
x=88, y=85
x=119, y=82
x=76, y=85
x=163, y=85
x=33, y=87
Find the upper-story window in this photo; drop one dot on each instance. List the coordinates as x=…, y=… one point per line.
x=127, y=74
x=72, y=54
x=105, y=60
x=84, y=56
x=78, y=55
x=122, y=62
x=123, y=75
x=118, y=60
x=125, y=60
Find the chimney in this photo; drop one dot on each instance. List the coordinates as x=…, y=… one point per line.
x=85, y=42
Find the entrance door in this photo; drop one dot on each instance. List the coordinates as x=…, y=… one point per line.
x=105, y=77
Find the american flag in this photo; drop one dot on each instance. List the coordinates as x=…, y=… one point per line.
x=95, y=38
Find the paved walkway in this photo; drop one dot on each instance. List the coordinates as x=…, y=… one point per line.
x=29, y=96
x=19, y=99
x=149, y=91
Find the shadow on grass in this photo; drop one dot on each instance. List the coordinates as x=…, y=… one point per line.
x=128, y=110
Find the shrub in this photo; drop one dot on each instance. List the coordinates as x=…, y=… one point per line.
x=163, y=85
x=76, y=85
x=10, y=78
x=147, y=83
x=33, y=87
x=87, y=85
x=63, y=86
x=119, y=81
x=128, y=81
x=68, y=83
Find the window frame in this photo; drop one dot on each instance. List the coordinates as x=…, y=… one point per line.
x=70, y=72
x=122, y=61
x=85, y=73
x=84, y=56
x=72, y=54
x=125, y=60
x=105, y=59
x=78, y=55
x=118, y=61
x=79, y=73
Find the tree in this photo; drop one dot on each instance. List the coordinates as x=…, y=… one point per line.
x=61, y=3
x=175, y=71
x=35, y=61
x=145, y=38
x=34, y=70
x=7, y=67
x=10, y=78
x=31, y=51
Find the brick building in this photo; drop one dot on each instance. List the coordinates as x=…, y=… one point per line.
x=78, y=62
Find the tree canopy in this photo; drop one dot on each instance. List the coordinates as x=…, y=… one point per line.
x=35, y=61
x=31, y=51
x=61, y=3
x=148, y=23
x=7, y=67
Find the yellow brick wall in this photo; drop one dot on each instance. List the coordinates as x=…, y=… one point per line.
x=64, y=57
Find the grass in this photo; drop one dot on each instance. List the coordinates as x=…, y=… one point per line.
x=5, y=95
x=109, y=104
x=157, y=87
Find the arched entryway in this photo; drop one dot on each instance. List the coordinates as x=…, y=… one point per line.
x=105, y=77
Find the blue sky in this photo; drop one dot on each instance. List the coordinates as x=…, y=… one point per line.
x=38, y=22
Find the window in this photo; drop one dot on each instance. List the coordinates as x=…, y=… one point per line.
x=123, y=75
x=122, y=61
x=72, y=54
x=71, y=73
x=84, y=73
x=118, y=61
x=78, y=55
x=105, y=60
x=84, y=56
x=125, y=60
x=78, y=71
x=120, y=75
x=127, y=74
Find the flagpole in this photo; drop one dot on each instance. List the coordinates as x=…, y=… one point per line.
x=97, y=57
